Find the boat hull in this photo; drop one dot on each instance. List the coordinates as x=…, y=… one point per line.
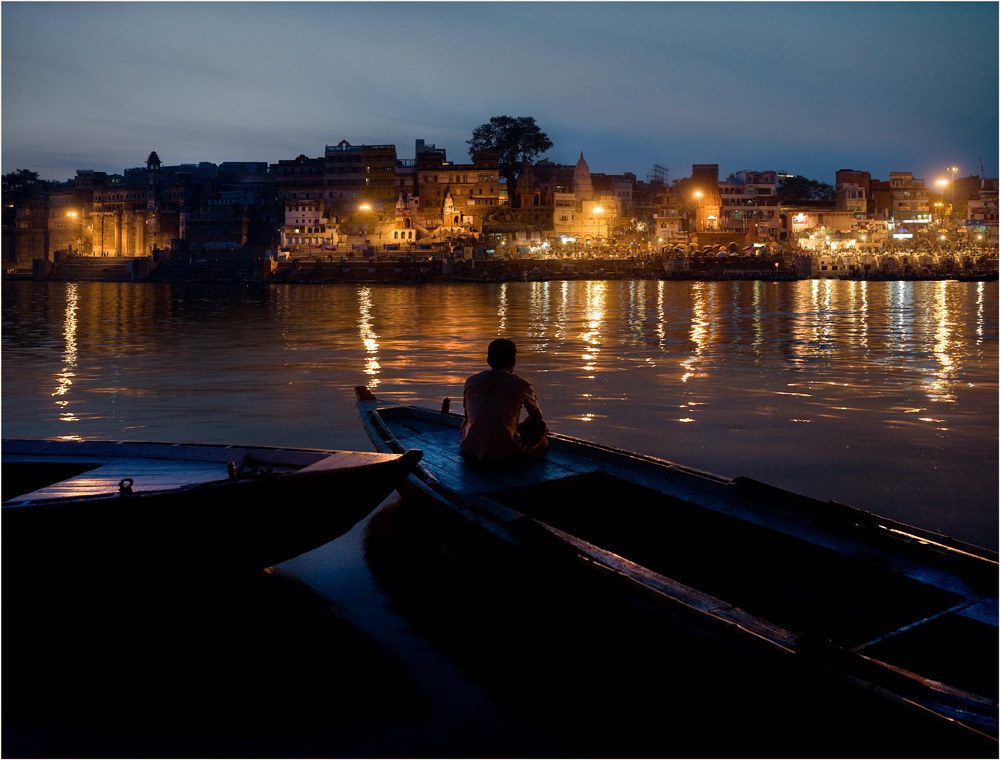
x=821, y=586
x=232, y=517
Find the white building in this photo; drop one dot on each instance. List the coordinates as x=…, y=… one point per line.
x=305, y=227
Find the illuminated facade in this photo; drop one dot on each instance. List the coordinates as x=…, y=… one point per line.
x=306, y=226
x=910, y=199
x=707, y=197
x=582, y=214
x=456, y=199
x=748, y=205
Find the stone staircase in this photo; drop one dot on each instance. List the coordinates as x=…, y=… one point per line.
x=94, y=268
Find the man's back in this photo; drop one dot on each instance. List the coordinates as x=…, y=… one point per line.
x=493, y=401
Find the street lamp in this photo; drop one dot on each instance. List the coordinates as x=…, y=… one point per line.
x=954, y=171
x=366, y=208
x=73, y=218
x=697, y=218
x=598, y=210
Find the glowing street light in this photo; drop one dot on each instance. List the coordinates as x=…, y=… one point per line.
x=943, y=182
x=697, y=194
x=366, y=208
x=954, y=171
x=598, y=211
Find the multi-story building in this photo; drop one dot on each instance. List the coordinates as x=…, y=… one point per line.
x=749, y=205
x=456, y=199
x=582, y=213
x=359, y=175
x=31, y=225
x=853, y=190
x=707, y=198
x=911, y=203
x=982, y=214
x=306, y=226
x=669, y=216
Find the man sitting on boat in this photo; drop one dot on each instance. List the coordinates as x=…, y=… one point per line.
x=492, y=430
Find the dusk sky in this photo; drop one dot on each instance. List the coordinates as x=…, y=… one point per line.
x=807, y=88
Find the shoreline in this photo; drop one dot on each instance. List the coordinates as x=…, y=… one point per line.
x=257, y=268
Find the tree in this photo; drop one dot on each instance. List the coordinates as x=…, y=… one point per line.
x=799, y=188
x=513, y=139
x=17, y=186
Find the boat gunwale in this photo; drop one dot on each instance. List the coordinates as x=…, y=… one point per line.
x=804, y=511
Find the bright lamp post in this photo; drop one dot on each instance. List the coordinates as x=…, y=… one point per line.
x=366, y=209
x=697, y=218
x=74, y=217
x=954, y=171
x=598, y=211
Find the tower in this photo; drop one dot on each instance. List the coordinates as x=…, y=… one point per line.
x=583, y=187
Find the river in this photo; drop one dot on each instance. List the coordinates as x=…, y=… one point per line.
x=881, y=395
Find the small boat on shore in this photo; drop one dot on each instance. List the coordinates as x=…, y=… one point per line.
x=906, y=615
x=978, y=277
x=156, y=505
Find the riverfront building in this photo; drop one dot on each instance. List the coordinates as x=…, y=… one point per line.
x=367, y=198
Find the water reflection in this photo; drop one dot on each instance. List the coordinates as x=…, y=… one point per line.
x=64, y=377
x=700, y=325
x=369, y=340
x=539, y=310
x=501, y=310
x=939, y=382
x=878, y=370
x=595, y=295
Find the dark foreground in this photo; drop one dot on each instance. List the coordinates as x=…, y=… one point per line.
x=101, y=665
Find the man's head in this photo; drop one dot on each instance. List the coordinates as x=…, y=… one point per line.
x=502, y=354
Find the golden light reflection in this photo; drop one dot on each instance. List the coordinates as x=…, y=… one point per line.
x=980, y=290
x=661, y=314
x=759, y=329
x=502, y=309
x=540, y=301
x=64, y=378
x=369, y=338
x=594, y=307
x=699, y=329
x=859, y=312
x=939, y=385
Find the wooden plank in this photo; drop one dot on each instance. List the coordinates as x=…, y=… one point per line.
x=346, y=459
x=146, y=474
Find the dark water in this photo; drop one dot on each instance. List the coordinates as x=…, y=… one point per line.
x=879, y=395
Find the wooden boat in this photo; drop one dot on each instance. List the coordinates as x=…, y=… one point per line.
x=204, y=506
x=978, y=277
x=898, y=611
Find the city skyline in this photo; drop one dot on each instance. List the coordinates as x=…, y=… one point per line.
x=807, y=88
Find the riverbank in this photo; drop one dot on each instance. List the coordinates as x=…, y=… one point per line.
x=256, y=266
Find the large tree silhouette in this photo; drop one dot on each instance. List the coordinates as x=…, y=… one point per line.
x=513, y=138
x=17, y=186
x=799, y=188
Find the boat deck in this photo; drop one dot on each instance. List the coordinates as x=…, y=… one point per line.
x=35, y=471
x=101, y=478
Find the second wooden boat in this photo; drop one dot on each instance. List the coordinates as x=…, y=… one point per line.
x=146, y=505
x=898, y=611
